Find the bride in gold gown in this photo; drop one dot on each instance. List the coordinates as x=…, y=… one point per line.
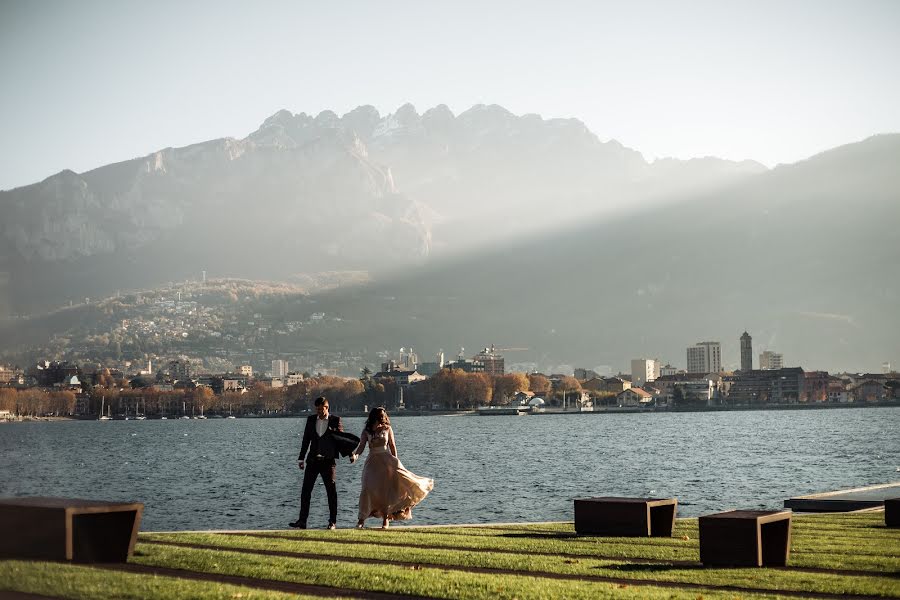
x=388, y=490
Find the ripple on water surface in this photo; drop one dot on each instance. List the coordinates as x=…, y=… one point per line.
x=242, y=473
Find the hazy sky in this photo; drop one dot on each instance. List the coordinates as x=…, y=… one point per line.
x=89, y=83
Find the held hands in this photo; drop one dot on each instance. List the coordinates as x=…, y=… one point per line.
x=353, y=457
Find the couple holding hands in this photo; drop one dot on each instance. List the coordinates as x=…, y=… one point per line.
x=388, y=491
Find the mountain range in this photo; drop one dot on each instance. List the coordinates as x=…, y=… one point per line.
x=804, y=257
x=305, y=193
x=490, y=227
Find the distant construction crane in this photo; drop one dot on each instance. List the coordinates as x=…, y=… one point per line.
x=494, y=348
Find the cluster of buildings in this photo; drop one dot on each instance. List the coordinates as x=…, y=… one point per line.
x=790, y=385
x=192, y=319
x=179, y=374
x=409, y=370
x=174, y=375
x=650, y=384
x=704, y=382
x=704, y=357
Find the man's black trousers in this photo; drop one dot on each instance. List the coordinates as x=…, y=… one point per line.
x=314, y=468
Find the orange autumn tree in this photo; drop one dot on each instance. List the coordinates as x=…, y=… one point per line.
x=506, y=386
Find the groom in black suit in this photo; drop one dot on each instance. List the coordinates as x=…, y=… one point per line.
x=323, y=449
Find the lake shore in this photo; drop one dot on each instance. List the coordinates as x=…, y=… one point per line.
x=599, y=410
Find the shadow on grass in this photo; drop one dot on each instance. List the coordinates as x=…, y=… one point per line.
x=657, y=542
x=541, y=536
x=651, y=568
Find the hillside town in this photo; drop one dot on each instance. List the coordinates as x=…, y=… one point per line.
x=182, y=388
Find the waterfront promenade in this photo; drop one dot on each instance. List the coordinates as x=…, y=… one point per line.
x=832, y=556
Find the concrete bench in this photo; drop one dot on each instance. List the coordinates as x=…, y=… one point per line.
x=68, y=529
x=892, y=512
x=633, y=517
x=745, y=538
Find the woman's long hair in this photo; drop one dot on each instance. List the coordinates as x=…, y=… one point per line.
x=377, y=416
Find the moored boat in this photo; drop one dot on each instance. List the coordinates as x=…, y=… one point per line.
x=518, y=409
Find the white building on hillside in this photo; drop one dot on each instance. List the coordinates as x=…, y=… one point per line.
x=279, y=369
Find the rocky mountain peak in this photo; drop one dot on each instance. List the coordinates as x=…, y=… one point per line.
x=362, y=120
x=282, y=117
x=328, y=119
x=484, y=113
x=364, y=111
x=407, y=114
x=440, y=117
x=359, y=182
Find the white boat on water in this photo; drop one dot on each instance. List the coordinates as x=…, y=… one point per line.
x=503, y=410
x=533, y=406
x=103, y=416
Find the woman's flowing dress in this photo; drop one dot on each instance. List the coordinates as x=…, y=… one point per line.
x=388, y=489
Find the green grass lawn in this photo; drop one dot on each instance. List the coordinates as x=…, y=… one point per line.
x=78, y=581
x=842, y=555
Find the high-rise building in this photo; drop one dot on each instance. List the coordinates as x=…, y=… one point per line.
x=746, y=352
x=644, y=370
x=432, y=368
x=179, y=369
x=769, y=360
x=704, y=357
x=279, y=369
x=465, y=365
x=494, y=363
x=409, y=360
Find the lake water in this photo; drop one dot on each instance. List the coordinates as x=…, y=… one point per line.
x=242, y=473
